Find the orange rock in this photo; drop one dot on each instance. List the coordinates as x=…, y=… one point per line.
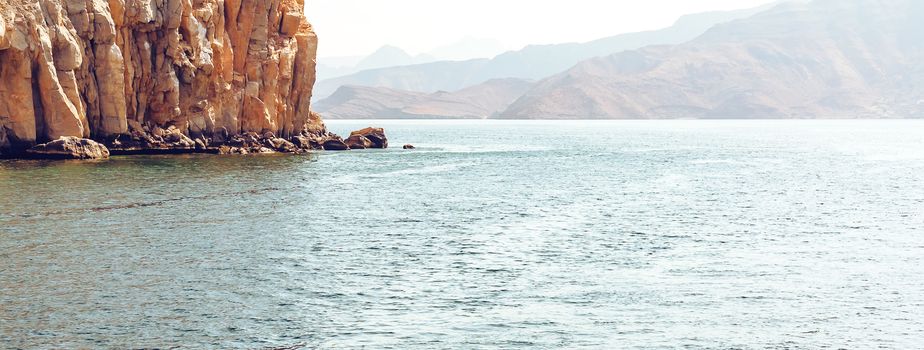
x=335, y=144
x=202, y=66
x=358, y=142
x=376, y=136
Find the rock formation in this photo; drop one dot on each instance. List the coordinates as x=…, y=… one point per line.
x=359, y=139
x=370, y=137
x=335, y=144
x=358, y=142
x=69, y=147
x=155, y=73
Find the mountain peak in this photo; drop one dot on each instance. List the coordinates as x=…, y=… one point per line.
x=385, y=56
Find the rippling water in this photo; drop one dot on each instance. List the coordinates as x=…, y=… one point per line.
x=696, y=234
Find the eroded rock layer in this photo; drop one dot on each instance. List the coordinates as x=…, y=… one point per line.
x=108, y=69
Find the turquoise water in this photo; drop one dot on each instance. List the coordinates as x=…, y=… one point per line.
x=637, y=235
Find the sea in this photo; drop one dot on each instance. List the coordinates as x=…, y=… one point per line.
x=682, y=234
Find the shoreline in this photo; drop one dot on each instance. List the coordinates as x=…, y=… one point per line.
x=174, y=142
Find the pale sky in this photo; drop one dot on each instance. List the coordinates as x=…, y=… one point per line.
x=358, y=27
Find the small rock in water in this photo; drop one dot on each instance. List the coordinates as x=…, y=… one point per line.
x=409, y=146
x=335, y=145
x=69, y=148
x=358, y=142
x=375, y=136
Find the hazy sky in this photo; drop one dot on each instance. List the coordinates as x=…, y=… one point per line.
x=357, y=27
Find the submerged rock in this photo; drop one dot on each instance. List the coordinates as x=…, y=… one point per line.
x=69, y=147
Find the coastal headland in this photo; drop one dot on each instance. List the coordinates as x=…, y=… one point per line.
x=165, y=76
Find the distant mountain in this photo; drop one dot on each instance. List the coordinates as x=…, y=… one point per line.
x=469, y=48
x=532, y=62
x=427, y=77
x=386, y=56
x=340, y=61
x=389, y=56
x=479, y=101
x=827, y=58
x=329, y=71
x=393, y=56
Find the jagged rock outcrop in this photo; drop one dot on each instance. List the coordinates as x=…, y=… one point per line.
x=335, y=144
x=358, y=142
x=369, y=137
x=359, y=139
x=117, y=70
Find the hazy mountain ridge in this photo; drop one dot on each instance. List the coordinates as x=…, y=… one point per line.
x=427, y=77
x=479, y=101
x=532, y=62
x=820, y=59
x=392, y=56
x=385, y=56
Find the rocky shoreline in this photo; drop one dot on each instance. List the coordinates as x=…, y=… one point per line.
x=145, y=141
x=89, y=79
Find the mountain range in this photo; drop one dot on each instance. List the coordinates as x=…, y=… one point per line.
x=827, y=58
x=824, y=58
x=385, y=56
x=480, y=101
x=532, y=62
x=393, y=56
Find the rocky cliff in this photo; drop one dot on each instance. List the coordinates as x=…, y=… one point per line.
x=123, y=71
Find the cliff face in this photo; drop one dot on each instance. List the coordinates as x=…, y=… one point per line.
x=103, y=68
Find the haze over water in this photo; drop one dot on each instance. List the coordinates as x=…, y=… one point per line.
x=621, y=234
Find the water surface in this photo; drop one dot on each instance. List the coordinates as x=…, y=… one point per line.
x=654, y=234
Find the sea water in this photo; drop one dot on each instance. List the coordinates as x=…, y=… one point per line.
x=491, y=234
